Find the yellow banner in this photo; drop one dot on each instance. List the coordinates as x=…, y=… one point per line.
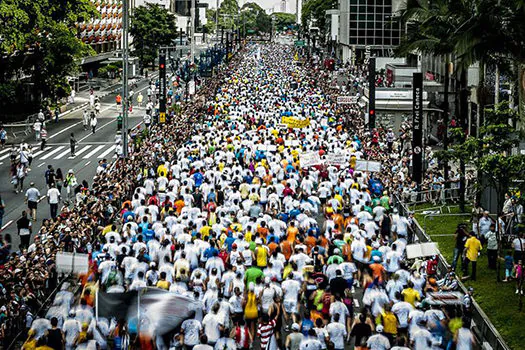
x=292, y=122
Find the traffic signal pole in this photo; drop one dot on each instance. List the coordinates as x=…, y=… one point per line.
x=125, y=59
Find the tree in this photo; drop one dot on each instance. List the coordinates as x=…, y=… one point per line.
x=228, y=10
x=39, y=39
x=315, y=10
x=491, y=154
x=152, y=26
x=253, y=17
x=284, y=21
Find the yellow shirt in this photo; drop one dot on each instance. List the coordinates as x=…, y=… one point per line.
x=163, y=284
x=248, y=236
x=106, y=229
x=205, y=231
x=162, y=170
x=473, y=247
x=411, y=295
x=390, y=323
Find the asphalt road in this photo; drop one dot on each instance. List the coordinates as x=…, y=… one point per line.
x=90, y=149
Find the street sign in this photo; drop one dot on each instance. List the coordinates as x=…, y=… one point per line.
x=162, y=117
x=299, y=43
x=346, y=100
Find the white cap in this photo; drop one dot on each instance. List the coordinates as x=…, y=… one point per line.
x=379, y=328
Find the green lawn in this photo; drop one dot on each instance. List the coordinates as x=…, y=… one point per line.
x=498, y=300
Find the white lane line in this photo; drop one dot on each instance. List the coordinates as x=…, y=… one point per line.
x=5, y=150
x=1, y=163
x=8, y=223
x=106, y=152
x=80, y=151
x=87, y=163
x=90, y=154
x=56, y=150
x=63, y=130
x=39, y=165
x=40, y=199
x=40, y=152
x=98, y=128
x=61, y=155
x=5, y=156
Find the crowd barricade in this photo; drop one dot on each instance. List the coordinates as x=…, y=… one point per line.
x=485, y=332
x=441, y=198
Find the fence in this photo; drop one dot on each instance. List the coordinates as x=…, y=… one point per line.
x=484, y=330
x=25, y=127
x=441, y=198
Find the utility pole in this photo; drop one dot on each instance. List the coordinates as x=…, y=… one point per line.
x=192, y=31
x=125, y=59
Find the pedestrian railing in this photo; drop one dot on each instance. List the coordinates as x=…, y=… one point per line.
x=442, y=198
x=25, y=127
x=483, y=329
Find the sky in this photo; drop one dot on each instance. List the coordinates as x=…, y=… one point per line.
x=263, y=3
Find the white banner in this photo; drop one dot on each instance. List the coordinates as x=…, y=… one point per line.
x=309, y=159
x=367, y=165
x=336, y=159
x=345, y=100
x=422, y=250
x=72, y=263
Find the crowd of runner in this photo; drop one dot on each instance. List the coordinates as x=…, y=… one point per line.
x=216, y=205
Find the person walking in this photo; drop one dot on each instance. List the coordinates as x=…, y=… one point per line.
x=2, y=212
x=59, y=179
x=140, y=99
x=43, y=139
x=118, y=100
x=32, y=197
x=20, y=176
x=70, y=182
x=472, y=249
x=24, y=227
x=72, y=95
x=93, y=123
x=53, y=198
x=85, y=119
x=3, y=137
x=73, y=143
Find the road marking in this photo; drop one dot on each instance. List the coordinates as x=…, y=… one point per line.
x=56, y=150
x=106, y=152
x=85, y=137
x=40, y=199
x=39, y=165
x=90, y=154
x=5, y=156
x=5, y=150
x=87, y=163
x=62, y=154
x=63, y=130
x=9, y=223
x=80, y=151
x=40, y=152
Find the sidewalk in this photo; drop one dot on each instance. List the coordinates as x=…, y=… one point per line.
x=17, y=132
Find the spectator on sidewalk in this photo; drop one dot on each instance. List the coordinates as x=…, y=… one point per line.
x=3, y=137
x=72, y=144
x=472, y=249
x=24, y=226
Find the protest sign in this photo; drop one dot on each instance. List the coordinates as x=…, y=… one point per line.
x=309, y=159
x=421, y=250
x=72, y=263
x=367, y=165
x=292, y=122
x=336, y=159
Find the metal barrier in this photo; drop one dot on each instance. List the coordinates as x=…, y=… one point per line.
x=27, y=126
x=441, y=198
x=483, y=329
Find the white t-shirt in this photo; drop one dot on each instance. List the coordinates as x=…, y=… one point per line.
x=53, y=194
x=211, y=324
x=337, y=333
x=291, y=289
x=191, y=329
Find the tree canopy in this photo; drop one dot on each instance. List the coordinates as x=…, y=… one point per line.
x=255, y=18
x=315, y=10
x=284, y=21
x=151, y=26
x=39, y=40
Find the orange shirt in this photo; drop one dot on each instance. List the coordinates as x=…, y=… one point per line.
x=286, y=249
x=263, y=232
x=310, y=242
x=179, y=204
x=291, y=233
x=272, y=246
x=377, y=271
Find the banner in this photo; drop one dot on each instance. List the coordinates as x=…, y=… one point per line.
x=295, y=123
x=309, y=159
x=72, y=263
x=346, y=100
x=421, y=250
x=367, y=165
x=336, y=159
x=161, y=310
x=417, y=127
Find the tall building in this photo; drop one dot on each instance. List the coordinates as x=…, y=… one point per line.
x=370, y=25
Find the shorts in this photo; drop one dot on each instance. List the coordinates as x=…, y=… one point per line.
x=290, y=306
x=32, y=205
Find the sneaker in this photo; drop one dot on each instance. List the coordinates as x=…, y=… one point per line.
x=517, y=291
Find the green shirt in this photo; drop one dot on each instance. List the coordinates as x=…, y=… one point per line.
x=252, y=274
x=335, y=259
